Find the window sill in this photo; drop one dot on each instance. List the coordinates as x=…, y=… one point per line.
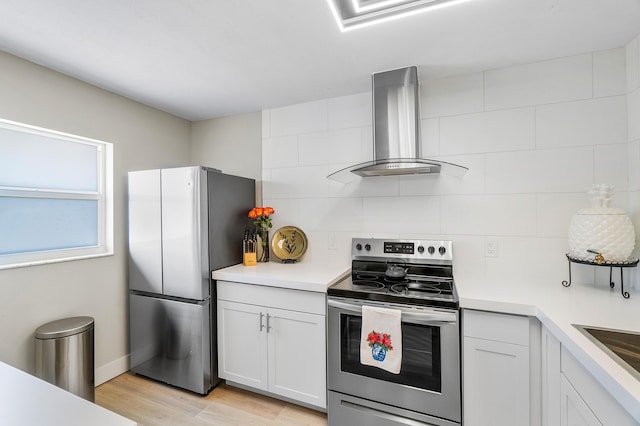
x=58, y=260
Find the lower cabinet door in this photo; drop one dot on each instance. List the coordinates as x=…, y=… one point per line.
x=574, y=411
x=297, y=356
x=242, y=344
x=496, y=383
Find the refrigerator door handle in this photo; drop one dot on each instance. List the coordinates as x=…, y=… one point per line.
x=261, y=325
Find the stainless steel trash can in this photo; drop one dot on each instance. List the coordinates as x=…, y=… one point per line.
x=64, y=355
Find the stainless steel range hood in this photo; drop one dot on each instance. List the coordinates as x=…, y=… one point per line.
x=396, y=131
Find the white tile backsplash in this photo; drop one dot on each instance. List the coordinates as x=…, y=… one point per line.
x=401, y=214
x=287, y=211
x=494, y=131
x=531, y=261
x=321, y=148
x=634, y=214
x=611, y=166
x=558, y=80
x=441, y=184
x=280, y=152
x=632, y=53
x=538, y=171
x=609, y=73
x=332, y=214
x=350, y=111
x=297, y=119
x=509, y=214
x=452, y=96
x=535, y=138
x=555, y=212
x=382, y=186
x=633, y=162
x=633, y=111
x=430, y=136
x=468, y=258
x=588, y=122
x=297, y=182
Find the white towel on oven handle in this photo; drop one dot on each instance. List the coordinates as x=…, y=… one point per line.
x=381, y=338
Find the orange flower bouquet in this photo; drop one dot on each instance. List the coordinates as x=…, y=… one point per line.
x=262, y=223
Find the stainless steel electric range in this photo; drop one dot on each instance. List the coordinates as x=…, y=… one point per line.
x=415, y=277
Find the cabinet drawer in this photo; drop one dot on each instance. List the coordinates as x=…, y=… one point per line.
x=276, y=297
x=497, y=327
x=352, y=411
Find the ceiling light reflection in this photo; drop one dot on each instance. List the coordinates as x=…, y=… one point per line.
x=354, y=14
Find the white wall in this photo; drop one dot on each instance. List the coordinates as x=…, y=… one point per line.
x=535, y=138
x=143, y=138
x=231, y=144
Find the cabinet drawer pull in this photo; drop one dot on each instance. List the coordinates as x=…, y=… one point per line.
x=268, y=326
x=261, y=325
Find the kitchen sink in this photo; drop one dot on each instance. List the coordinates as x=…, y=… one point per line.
x=623, y=346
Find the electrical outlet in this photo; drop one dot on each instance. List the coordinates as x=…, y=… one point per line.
x=491, y=247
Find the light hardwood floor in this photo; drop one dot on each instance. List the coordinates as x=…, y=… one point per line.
x=151, y=403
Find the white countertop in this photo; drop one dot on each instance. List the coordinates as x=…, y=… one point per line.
x=27, y=401
x=306, y=276
x=557, y=307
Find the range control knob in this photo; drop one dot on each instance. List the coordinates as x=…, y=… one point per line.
x=358, y=246
x=431, y=250
x=442, y=250
x=367, y=247
x=420, y=249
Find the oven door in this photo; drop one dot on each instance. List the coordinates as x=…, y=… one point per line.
x=429, y=378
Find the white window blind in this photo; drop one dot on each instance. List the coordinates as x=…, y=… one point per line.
x=55, y=196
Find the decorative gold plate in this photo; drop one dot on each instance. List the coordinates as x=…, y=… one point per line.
x=289, y=243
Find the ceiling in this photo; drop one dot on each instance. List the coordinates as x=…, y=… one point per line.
x=200, y=59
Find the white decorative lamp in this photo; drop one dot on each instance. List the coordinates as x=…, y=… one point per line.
x=601, y=229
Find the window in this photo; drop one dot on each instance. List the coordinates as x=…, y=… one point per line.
x=56, y=196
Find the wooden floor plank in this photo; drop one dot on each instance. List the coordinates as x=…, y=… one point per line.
x=151, y=403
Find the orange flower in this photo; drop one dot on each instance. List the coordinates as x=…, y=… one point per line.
x=258, y=212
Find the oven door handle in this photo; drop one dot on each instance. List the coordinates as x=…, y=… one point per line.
x=409, y=315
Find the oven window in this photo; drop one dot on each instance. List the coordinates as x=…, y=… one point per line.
x=420, y=354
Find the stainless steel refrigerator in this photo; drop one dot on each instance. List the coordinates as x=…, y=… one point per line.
x=183, y=223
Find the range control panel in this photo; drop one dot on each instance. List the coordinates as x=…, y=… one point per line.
x=402, y=249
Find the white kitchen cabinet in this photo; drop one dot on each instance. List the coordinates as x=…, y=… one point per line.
x=273, y=339
x=297, y=356
x=574, y=411
x=584, y=400
x=242, y=345
x=550, y=359
x=499, y=381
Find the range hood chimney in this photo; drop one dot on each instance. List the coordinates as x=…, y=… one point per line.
x=396, y=131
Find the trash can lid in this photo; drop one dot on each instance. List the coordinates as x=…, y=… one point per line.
x=64, y=327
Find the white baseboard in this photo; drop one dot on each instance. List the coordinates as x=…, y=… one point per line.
x=109, y=371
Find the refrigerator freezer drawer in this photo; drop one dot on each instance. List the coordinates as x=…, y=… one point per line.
x=171, y=342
